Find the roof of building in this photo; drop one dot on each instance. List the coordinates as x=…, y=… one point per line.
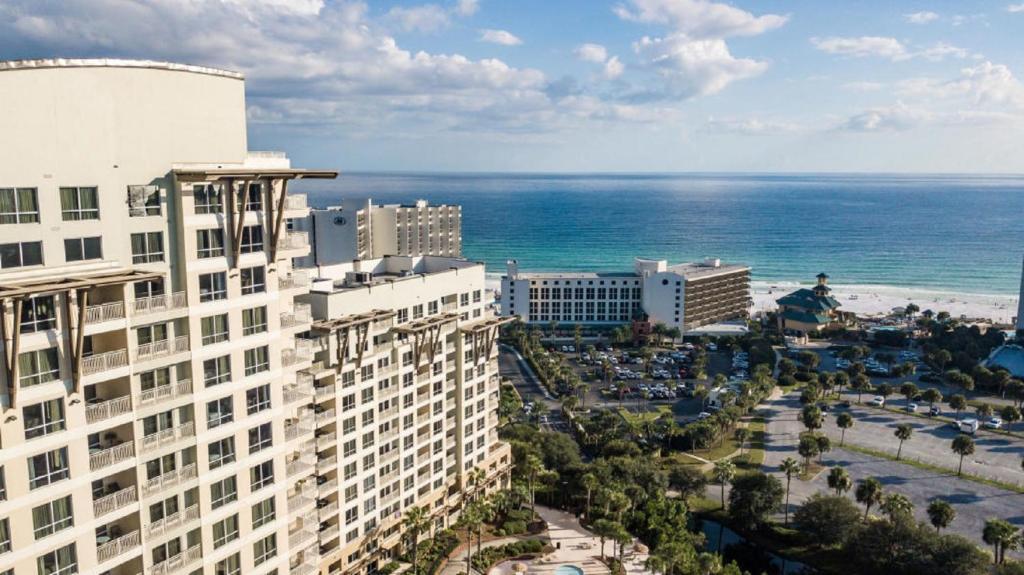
x=697, y=270
x=807, y=299
x=1010, y=358
x=805, y=317
x=573, y=275
x=42, y=63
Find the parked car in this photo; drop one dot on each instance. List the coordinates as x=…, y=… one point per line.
x=845, y=404
x=968, y=426
x=994, y=423
x=910, y=408
x=934, y=411
x=877, y=401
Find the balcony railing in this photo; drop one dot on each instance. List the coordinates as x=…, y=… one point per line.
x=169, y=435
x=293, y=241
x=299, y=537
x=178, y=562
x=327, y=511
x=326, y=440
x=295, y=202
x=297, y=430
x=298, y=467
x=169, y=479
x=114, y=501
x=294, y=394
x=119, y=546
x=172, y=521
x=301, y=315
x=293, y=281
x=161, y=348
x=327, y=487
x=164, y=392
x=329, y=533
x=325, y=464
x=299, y=500
x=159, y=303
x=111, y=455
x=325, y=391
x=304, y=568
x=104, y=361
x=325, y=417
x=104, y=312
x=102, y=410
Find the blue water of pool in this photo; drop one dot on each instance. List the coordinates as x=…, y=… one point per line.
x=568, y=570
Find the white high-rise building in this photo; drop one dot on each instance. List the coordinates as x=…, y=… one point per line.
x=152, y=369
x=1020, y=302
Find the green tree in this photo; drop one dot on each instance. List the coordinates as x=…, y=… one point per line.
x=884, y=389
x=790, y=467
x=908, y=390
x=590, y=482
x=869, y=493
x=709, y=564
x=824, y=445
x=839, y=480
x=958, y=403
x=903, y=433
x=1010, y=415
x=932, y=396
x=940, y=513
x=753, y=499
x=897, y=506
x=414, y=523
x=844, y=421
x=687, y=480
x=807, y=448
x=469, y=521
x=811, y=417
x=742, y=434
x=577, y=340
x=861, y=383
x=963, y=446
x=831, y=519
x=724, y=472
x=1001, y=535
x=604, y=529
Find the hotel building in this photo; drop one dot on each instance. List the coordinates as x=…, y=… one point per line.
x=688, y=296
x=362, y=230
x=406, y=398
x=806, y=311
x=1020, y=303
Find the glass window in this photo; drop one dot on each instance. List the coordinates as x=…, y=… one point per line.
x=18, y=206
x=40, y=366
x=43, y=418
x=5, y=536
x=261, y=437
x=38, y=314
x=213, y=286
x=79, y=204
x=210, y=243
x=225, y=531
x=254, y=320
x=257, y=360
x=47, y=468
x=263, y=512
x=156, y=378
x=217, y=370
x=143, y=201
x=147, y=247
x=148, y=288
x=221, y=452
x=254, y=280
x=257, y=399
x=264, y=549
x=151, y=333
x=208, y=198
x=215, y=329
x=62, y=561
x=253, y=199
x=219, y=412
x=3, y=484
x=162, y=509
x=52, y=517
x=81, y=249
x=252, y=239
x=230, y=566
x=261, y=475
x=22, y=254
x=223, y=491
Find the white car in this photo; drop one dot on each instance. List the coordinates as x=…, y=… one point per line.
x=877, y=401
x=703, y=415
x=994, y=423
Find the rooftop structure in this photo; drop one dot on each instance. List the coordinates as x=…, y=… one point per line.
x=808, y=310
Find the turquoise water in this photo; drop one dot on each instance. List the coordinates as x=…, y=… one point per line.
x=568, y=570
x=958, y=233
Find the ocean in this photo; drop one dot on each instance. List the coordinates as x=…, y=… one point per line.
x=952, y=233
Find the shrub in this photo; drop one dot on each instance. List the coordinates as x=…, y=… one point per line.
x=828, y=519
x=514, y=527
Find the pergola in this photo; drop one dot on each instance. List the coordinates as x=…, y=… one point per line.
x=75, y=290
x=484, y=334
x=345, y=325
x=426, y=333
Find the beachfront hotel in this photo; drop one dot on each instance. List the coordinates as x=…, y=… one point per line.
x=358, y=229
x=690, y=296
x=1020, y=303
x=807, y=311
x=406, y=400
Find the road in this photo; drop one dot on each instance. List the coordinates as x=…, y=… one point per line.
x=513, y=367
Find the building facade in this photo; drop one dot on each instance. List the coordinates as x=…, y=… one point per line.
x=406, y=400
x=362, y=230
x=806, y=311
x=152, y=364
x=688, y=296
x=1020, y=302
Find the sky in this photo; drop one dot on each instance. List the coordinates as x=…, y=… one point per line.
x=586, y=85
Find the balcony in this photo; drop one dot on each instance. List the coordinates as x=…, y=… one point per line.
x=159, y=303
x=295, y=202
x=295, y=280
x=293, y=241
x=327, y=487
x=329, y=533
x=104, y=312
x=172, y=521
x=179, y=562
x=114, y=501
x=299, y=500
x=294, y=394
x=298, y=467
x=328, y=510
x=164, y=347
x=326, y=440
x=326, y=464
x=118, y=546
x=168, y=436
x=102, y=410
x=104, y=361
x=302, y=315
x=299, y=537
x=296, y=430
x=162, y=393
x=325, y=392
x=169, y=479
x=111, y=455
x=325, y=417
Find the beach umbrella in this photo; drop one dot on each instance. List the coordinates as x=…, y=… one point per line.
x=519, y=567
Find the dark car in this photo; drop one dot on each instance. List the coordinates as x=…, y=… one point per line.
x=934, y=410
x=845, y=404
x=825, y=407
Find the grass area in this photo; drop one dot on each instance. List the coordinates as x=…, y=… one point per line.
x=811, y=471
x=701, y=505
x=936, y=468
x=753, y=456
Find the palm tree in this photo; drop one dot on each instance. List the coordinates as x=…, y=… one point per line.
x=485, y=512
x=839, y=480
x=790, y=467
x=844, y=421
x=896, y=505
x=533, y=467
x=940, y=513
x=861, y=383
x=709, y=564
x=1001, y=535
x=903, y=433
x=468, y=520
x=869, y=493
x=589, y=482
x=932, y=396
x=577, y=339
x=724, y=472
x=742, y=434
x=962, y=446
x=673, y=333
x=414, y=523
x=958, y=403
x=909, y=390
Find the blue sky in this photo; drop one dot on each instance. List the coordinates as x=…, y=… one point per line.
x=595, y=85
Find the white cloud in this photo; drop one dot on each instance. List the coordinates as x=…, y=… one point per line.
x=467, y=7
x=425, y=18
x=921, y=17
x=693, y=68
x=503, y=37
x=613, y=68
x=895, y=118
x=591, y=53
x=699, y=19
x=863, y=86
x=940, y=50
x=861, y=46
x=750, y=126
x=1015, y=8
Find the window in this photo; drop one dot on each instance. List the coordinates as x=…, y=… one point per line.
x=62, y=561
x=43, y=418
x=148, y=288
x=213, y=287
x=219, y=412
x=256, y=360
x=225, y=531
x=221, y=452
x=252, y=201
x=3, y=484
x=252, y=239
x=254, y=320
x=223, y=492
x=5, y=537
x=217, y=370
x=79, y=204
x=208, y=198
x=230, y=566
x=163, y=509
x=152, y=333
x=47, y=468
x=22, y=254
x=143, y=201
x=210, y=243
x=264, y=549
x=40, y=366
x=257, y=399
x=147, y=247
x=18, y=206
x=215, y=329
x=254, y=280
x=263, y=512
x=261, y=475
x=81, y=249
x=52, y=517
x=260, y=437
x=38, y=314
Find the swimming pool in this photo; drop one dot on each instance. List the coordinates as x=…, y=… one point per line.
x=568, y=570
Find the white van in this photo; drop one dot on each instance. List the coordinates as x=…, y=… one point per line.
x=968, y=426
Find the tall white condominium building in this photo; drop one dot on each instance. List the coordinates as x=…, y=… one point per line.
x=151, y=367
x=362, y=230
x=1020, y=302
x=406, y=404
x=688, y=296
